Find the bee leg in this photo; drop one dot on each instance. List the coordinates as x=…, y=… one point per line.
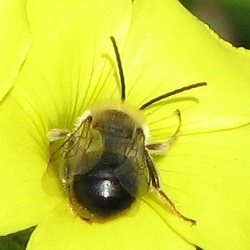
x=156, y=185
x=164, y=146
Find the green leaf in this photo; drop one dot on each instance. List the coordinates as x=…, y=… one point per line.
x=16, y=241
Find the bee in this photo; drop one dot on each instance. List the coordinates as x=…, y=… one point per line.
x=105, y=163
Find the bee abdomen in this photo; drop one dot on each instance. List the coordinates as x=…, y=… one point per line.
x=101, y=193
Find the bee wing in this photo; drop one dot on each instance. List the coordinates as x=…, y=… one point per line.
x=58, y=142
x=135, y=166
x=79, y=152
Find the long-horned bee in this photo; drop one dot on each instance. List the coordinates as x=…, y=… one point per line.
x=105, y=163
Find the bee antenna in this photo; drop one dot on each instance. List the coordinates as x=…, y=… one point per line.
x=119, y=64
x=158, y=98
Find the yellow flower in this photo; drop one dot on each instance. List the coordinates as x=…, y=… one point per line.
x=69, y=65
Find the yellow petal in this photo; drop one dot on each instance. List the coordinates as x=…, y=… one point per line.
x=15, y=41
x=166, y=56
x=172, y=49
x=145, y=230
x=66, y=61
x=23, y=162
x=207, y=177
x=49, y=91
x=204, y=167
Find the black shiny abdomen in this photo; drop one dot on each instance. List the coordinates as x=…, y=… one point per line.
x=100, y=191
